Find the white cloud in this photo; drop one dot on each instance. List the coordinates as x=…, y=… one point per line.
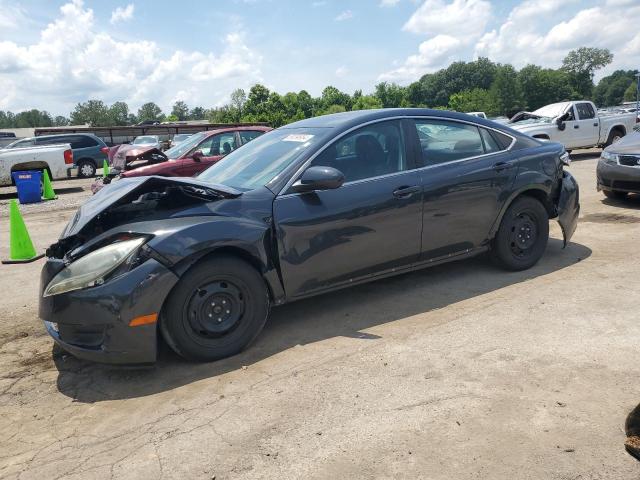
x=527, y=35
x=452, y=29
x=11, y=16
x=59, y=70
x=122, y=14
x=342, y=71
x=389, y=3
x=346, y=15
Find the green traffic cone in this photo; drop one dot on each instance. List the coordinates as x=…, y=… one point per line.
x=105, y=168
x=48, y=193
x=20, y=247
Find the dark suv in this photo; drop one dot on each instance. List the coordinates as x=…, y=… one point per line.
x=89, y=151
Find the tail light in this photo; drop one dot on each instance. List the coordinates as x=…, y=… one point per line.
x=105, y=150
x=68, y=157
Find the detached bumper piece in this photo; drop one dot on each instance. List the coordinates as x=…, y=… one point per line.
x=102, y=323
x=568, y=206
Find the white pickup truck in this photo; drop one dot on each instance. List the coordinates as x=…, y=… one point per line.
x=57, y=159
x=574, y=124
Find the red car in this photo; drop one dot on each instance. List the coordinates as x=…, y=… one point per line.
x=197, y=153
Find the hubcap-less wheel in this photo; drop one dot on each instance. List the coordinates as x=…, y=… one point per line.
x=524, y=235
x=215, y=309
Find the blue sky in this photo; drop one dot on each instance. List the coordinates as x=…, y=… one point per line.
x=55, y=54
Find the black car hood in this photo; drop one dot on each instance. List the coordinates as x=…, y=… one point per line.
x=132, y=190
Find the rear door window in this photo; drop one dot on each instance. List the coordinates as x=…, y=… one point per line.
x=443, y=141
x=585, y=111
x=248, y=135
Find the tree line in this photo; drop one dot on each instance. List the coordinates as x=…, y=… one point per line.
x=479, y=85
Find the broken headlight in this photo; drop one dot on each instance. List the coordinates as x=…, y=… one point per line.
x=91, y=269
x=609, y=157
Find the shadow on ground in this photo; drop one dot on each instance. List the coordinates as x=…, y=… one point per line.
x=59, y=191
x=632, y=202
x=577, y=156
x=345, y=313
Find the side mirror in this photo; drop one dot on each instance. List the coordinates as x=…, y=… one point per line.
x=318, y=178
x=561, y=119
x=197, y=156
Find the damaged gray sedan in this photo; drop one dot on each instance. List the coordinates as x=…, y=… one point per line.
x=306, y=209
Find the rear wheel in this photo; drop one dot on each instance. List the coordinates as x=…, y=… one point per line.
x=523, y=235
x=217, y=309
x=86, y=169
x=615, y=194
x=614, y=136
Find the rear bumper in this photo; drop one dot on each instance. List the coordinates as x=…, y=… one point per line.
x=618, y=178
x=72, y=172
x=93, y=323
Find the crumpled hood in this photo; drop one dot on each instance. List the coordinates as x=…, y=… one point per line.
x=627, y=145
x=124, y=154
x=131, y=190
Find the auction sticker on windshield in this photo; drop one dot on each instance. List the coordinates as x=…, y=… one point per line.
x=299, y=137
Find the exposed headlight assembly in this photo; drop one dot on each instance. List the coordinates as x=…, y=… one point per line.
x=91, y=269
x=609, y=157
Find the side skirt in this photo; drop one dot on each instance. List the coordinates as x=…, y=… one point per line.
x=392, y=272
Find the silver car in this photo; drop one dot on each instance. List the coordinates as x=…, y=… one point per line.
x=618, y=169
x=148, y=141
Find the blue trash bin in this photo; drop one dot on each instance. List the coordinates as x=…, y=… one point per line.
x=28, y=185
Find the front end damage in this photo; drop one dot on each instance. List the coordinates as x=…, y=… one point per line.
x=110, y=314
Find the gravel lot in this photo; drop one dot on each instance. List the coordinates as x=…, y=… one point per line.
x=461, y=371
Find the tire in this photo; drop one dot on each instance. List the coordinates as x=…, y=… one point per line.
x=220, y=285
x=615, y=195
x=523, y=235
x=614, y=136
x=86, y=169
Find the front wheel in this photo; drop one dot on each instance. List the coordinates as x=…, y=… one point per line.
x=216, y=310
x=523, y=235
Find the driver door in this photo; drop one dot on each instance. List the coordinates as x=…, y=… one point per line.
x=569, y=137
x=213, y=149
x=370, y=225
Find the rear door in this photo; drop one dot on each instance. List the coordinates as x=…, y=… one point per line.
x=467, y=175
x=371, y=224
x=587, y=126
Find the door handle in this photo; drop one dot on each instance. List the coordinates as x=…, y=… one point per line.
x=595, y=124
x=500, y=166
x=576, y=126
x=406, y=192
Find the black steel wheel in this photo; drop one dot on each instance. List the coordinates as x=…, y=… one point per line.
x=523, y=235
x=216, y=310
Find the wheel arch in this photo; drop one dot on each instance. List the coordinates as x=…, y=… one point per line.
x=31, y=166
x=535, y=191
x=87, y=159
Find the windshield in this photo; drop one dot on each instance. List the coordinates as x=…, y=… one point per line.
x=184, y=147
x=144, y=140
x=553, y=110
x=263, y=159
x=180, y=137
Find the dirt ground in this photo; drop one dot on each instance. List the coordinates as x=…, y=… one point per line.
x=462, y=371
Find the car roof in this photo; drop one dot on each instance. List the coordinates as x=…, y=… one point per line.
x=261, y=128
x=346, y=120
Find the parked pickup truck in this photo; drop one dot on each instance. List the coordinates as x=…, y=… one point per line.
x=574, y=124
x=56, y=159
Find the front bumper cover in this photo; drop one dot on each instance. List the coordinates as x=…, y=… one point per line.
x=93, y=323
x=619, y=178
x=568, y=206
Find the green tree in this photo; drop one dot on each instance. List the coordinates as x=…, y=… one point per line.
x=171, y=118
x=366, y=102
x=611, y=89
x=475, y=100
x=305, y=103
x=255, y=108
x=542, y=86
x=581, y=65
x=180, y=110
x=92, y=112
x=333, y=109
x=197, y=113
x=332, y=96
x=505, y=91
x=60, y=121
x=631, y=92
x=119, y=114
x=238, y=100
x=32, y=118
x=391, y=95
x=150, y=111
